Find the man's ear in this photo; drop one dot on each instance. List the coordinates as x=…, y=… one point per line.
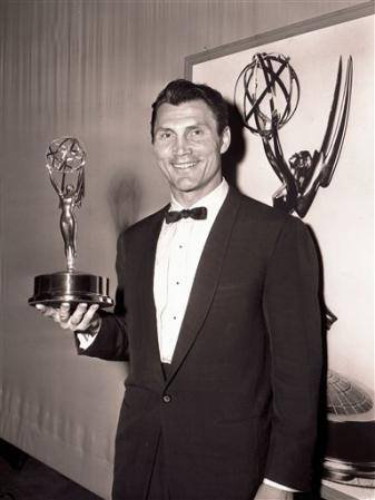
x=225, y=140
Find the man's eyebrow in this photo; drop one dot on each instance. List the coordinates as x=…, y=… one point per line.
x=160, y=128
x=163, y=129
x=197, y=125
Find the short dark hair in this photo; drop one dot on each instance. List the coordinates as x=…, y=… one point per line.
x=181, y=90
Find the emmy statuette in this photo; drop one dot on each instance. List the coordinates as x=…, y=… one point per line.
x=66, y=160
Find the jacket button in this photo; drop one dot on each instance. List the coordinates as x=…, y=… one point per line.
x=167, y=398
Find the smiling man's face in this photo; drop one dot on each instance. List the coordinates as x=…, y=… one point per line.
x=188, y=149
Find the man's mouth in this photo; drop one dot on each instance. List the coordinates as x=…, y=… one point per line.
x=185, y=165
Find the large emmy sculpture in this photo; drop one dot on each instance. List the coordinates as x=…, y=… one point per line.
x=269, y=98
x=66, y=160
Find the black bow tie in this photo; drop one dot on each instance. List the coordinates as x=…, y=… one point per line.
x=198, y=213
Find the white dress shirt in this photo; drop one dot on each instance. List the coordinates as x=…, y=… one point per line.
x=178, y=252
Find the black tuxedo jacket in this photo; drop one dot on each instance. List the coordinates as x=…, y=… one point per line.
x=240, y=402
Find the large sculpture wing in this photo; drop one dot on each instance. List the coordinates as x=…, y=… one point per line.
x=337, y=123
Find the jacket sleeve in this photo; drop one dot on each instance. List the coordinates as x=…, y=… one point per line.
x=293, y=317
x=111, y=342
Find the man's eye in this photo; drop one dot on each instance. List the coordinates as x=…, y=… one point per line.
x=164, y=136
x=196, y=132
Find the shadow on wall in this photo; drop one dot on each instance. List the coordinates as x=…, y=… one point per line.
x=124, y=199
x=237, y=150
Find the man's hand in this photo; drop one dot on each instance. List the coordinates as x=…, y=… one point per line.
x=82, y=319
x=266, y=492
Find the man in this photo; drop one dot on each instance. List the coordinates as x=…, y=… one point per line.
x=221, y=328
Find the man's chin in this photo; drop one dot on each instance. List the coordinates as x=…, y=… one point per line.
x=185, y=187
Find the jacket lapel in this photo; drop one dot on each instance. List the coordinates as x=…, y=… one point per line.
x=206, y=279
x=146, y=279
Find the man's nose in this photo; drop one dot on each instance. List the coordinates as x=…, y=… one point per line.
x=182, y=146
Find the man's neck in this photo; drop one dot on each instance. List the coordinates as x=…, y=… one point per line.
x=188, y=199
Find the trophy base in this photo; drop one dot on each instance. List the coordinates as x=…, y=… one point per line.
x=71, y=287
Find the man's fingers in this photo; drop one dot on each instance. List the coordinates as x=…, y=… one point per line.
x=49, y=312
x=83, y=318
x=88, y=320
x=64, y=311
x=44, y=309
x=78, y=314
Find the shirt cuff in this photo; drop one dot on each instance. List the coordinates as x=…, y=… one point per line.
x=85, y=340
x=279, y=486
